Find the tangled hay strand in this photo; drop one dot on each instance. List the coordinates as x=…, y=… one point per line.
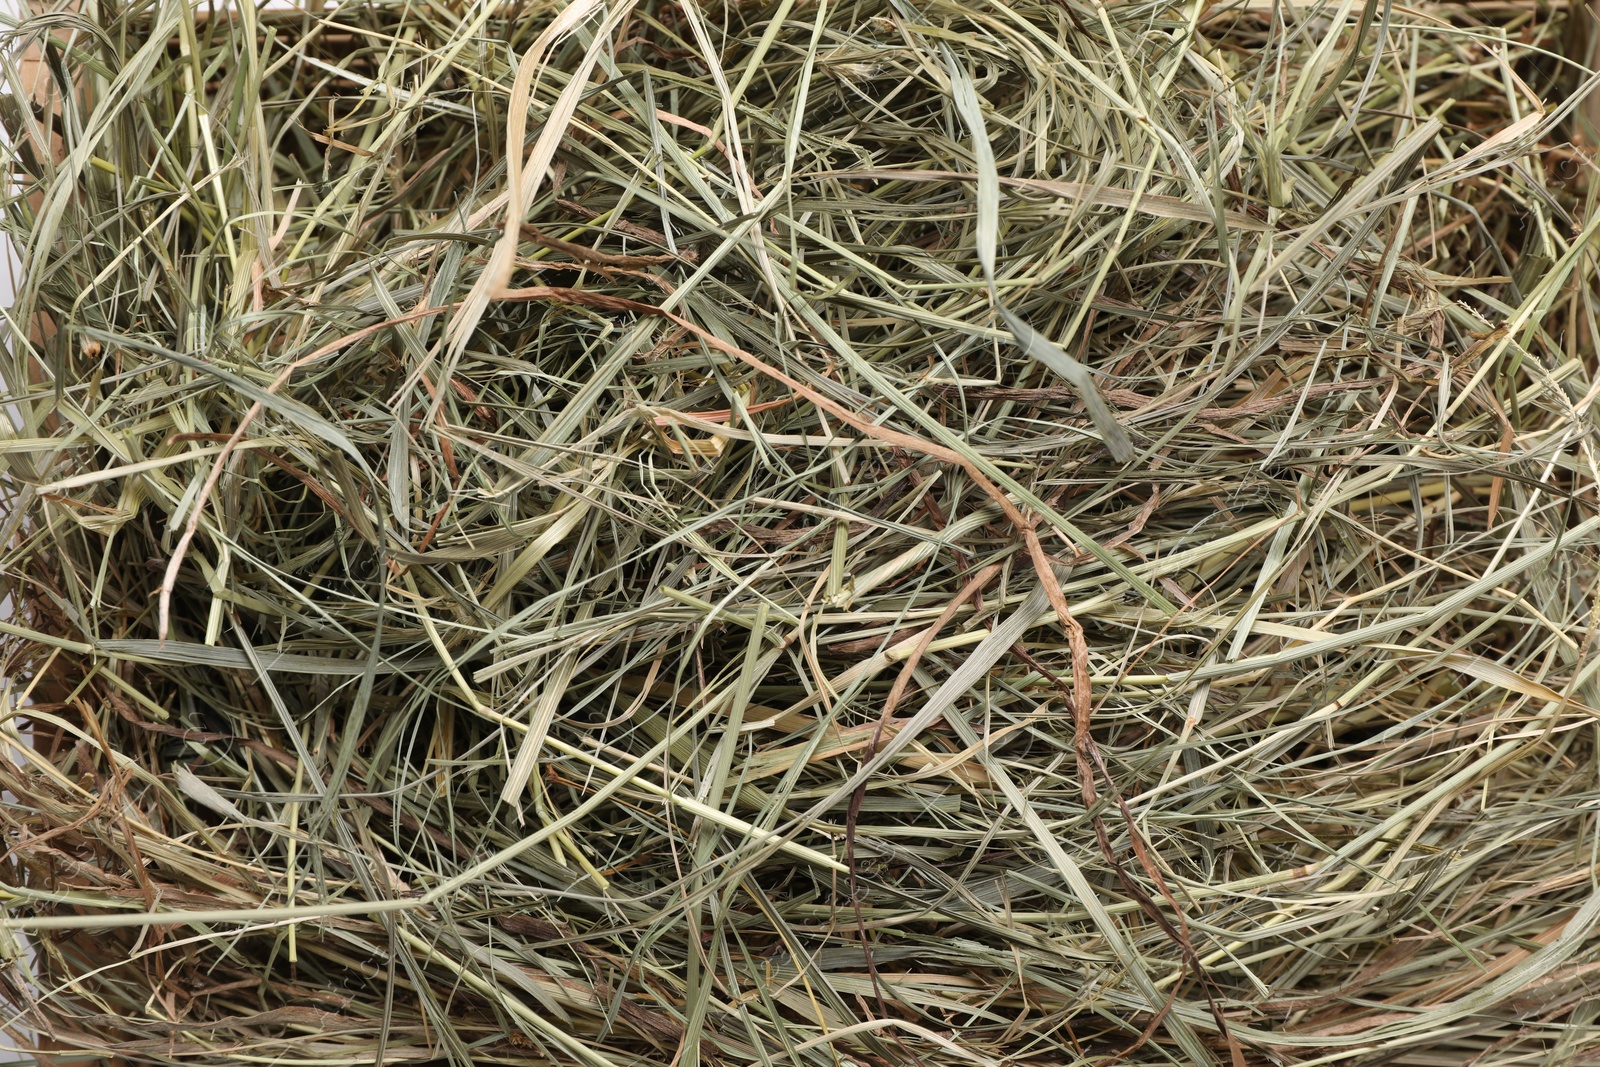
x=533, y=539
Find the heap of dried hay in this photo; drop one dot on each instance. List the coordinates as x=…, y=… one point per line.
x=560, y=534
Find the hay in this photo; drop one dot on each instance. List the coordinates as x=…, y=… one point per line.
x=676, y=598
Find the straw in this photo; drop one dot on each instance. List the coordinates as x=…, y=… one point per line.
x=799, y=533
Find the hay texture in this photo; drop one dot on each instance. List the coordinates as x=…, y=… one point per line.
x=806, y=533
